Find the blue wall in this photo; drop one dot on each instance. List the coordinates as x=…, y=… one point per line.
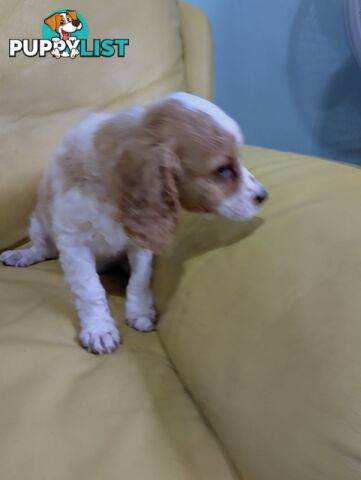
x=285, y=71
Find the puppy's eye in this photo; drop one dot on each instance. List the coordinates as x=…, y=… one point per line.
x=62, y=21
x=226, y=171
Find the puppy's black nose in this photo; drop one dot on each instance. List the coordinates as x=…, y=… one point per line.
x=261, y=197
x=76, y=23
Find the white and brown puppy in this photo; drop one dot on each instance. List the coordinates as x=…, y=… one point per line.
x=64, y=24
x=117, y=184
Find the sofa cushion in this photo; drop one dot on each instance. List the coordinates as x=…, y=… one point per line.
x=263, y=321
x=67, y=414
x=42, y=97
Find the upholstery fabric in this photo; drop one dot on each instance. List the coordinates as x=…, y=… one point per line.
x=68, y=414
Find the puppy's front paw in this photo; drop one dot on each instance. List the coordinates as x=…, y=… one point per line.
x=141, y=313
x=142, y=324
x=103, y=339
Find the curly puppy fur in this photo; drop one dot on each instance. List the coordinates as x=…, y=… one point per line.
x=117, y=183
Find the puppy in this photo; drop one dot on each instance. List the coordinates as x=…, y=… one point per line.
x=117, y=184
x=64, y=24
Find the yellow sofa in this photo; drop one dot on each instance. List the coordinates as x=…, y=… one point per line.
x=254, y=372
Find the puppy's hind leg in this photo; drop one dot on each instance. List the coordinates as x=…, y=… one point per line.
x=41, y=249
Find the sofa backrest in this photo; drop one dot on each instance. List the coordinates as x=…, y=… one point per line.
x=41, y=98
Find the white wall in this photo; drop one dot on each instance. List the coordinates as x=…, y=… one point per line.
x=284, y=70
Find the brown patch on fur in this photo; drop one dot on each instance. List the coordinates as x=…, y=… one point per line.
x=145, y=183
x=191, y=130
x=94, y=172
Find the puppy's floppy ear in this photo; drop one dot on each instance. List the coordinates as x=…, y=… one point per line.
x=72, y=14
x=148, y=194
x=53, y=21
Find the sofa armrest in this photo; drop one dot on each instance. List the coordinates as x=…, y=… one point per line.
x=262, y=321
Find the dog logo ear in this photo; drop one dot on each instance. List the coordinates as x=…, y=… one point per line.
x=72, y=14
x=53, y=21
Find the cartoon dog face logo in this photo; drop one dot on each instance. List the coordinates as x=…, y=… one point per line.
x=64, y=24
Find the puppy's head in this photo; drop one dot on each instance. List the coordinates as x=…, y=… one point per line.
x=187, y=157
x=211, y=177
